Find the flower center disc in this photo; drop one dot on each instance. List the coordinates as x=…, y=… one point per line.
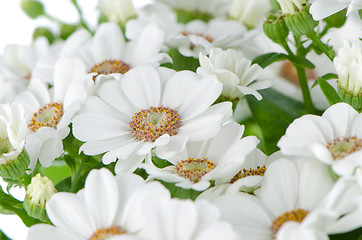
x=110, y=66
x=296, y=215
x=248, y=172
x=47, y=116
x=107, y=233
x=340, y=148
x=194, y=169
x=5, y=146
x=150, y=124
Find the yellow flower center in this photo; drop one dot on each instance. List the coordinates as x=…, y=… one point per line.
x=47, y=116
x=340, y=148
x=249, y=172
x=110, y=66
x=194, y=169
x=107, y=233
x=296, y=215
x=150, y=124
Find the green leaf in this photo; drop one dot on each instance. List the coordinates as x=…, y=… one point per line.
x=326, y=77
x=273, y=114
x=355, y=234
x=43, y=32
x=32, y=8
x=66, y=30
x=181, y=193
x=269, y=58
x=329, y=92
x=64, y=185
x=57, y=172
x=11, y=204
x=160, y=163
x=180, y=62
x=3, y=236
x=301, y=62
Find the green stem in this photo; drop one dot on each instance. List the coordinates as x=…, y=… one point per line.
x=328, y=51
x=303, y=82
x=80, y=13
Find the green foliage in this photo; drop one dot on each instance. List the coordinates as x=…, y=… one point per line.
x=44, y=32
x=181, y=193
x=336, y=20
x=329, y=92
x=181, y=62
x=66, y=30
x=3, y=236
x=353, y=235
x=265, y=60
x=273, y=114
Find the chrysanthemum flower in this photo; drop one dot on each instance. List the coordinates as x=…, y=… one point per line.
x=289, y=192
x=335, y=138
x=49, y=111
x=201, y=162
x=107, y=207
x=108, y=56
x=149, y=109
x=234, y=71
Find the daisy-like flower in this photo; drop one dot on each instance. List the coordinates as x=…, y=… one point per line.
x=108, y=56
x=149, y=109
x=348, y=64
x=321, y=9
x=185, y=220
x=13, y=131
x=335, y=138
x=289, y=192
x=234, y=71
x=201, y=162
x=108, y=207
x=19, y=63
x=49, y=111
x=117, y=11
x=249, y=12
x=208, y=8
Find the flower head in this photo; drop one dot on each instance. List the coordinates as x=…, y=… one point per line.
x=149, y=109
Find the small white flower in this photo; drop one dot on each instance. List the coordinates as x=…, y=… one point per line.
x=49, y=111
x=348, y=64
x=290, y=191
x=201, y=162
x=13, y=132
x=149, y=109
x=289, y=6
x=249, y=12
x=117, y=11
x=323, y=8
x=335, y=138
x=234, y=71
x=40, y=190
x=108, y=206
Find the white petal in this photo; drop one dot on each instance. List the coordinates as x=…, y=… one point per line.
x=46, y=232
x=142, y=87
x=101, y=195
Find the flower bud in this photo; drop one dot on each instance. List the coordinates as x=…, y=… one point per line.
x=348, y=64
x=302, y=22
x=275, y=28
x=119, y=11
x=38, y=193
x=32, y=8
x=13, y=168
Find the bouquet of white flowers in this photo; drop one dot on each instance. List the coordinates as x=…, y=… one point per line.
x=187, y=120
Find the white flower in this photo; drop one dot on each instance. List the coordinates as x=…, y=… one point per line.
x=117, y=11
x=13, y=131
x=49, y=111
x=107, y=206
x=249, y=12
x=108, y=56
x=234, y=71
x=201, y=162
x=149, y=109
x=323, y=8
x=289, y=192
x=335, y=138
x=348, y=64
x=289, y=6
x=213, y=8
x=19, y=63
x=185, y=220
